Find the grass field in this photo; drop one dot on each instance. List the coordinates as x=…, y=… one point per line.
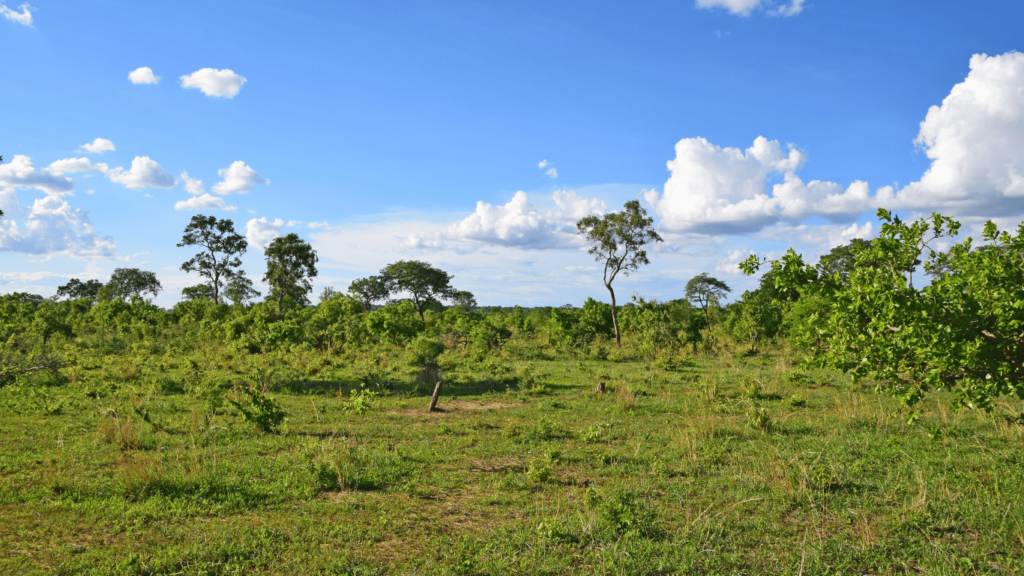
x=732, y=464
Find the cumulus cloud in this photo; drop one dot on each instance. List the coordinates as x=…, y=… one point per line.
x=192, y=185
x=204, y=202
x=143, y=75
x=260, y=232
x=517, y=224
x=217, y=83
x=746, y=7
x=24, y=17
x=72, y=165
x=98, y=146
x=542, y=164
x=21, y=173
x=50, y=227
x=731, y=264
x=975, y=140
x=320, y=225
x=715, y=190
x=238, y=178
x=551, y=172
x=144, y=173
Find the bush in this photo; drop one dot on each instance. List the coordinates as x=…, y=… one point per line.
x=423, y=351
x=260, y=409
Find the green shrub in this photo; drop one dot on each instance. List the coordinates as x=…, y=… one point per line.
x=260, y=409
x=423, y=351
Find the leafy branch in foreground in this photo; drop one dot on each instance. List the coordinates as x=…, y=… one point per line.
x=964, y=332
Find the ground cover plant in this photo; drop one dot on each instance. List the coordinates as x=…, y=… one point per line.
x=282, y=437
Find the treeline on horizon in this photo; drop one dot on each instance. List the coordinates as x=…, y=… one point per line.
x=857, y=309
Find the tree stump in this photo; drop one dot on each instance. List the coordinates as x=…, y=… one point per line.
x=433, y=399
x=600, y=388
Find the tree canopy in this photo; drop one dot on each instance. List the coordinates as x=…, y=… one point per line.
x=706, y=290
x=369, y=290
x=128, y=283
x=291, y=264
x=219, y=260
x=963, y=332
x=617, y=240
x=76, y=289
x=421, y=281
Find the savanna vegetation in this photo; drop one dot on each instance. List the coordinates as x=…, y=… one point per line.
x=845, y=417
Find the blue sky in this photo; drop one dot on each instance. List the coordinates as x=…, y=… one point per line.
x=745, y=127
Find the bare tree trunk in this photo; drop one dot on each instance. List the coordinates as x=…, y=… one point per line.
x=615, y=317
x=433, y=399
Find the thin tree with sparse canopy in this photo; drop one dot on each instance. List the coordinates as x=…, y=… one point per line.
x=618, y=239
x=222, y=246
x=705, y=291
x=291, y=263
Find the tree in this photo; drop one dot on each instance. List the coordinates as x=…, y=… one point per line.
x=76, y=289
x=239, y=290
x=291, y=263
x=423, y=283
x=198, y=292
x=464, y=299
x=222, y=246
x=327, y=293
x=705, y=291
x=126, y=283
x=369, y=290
x=962, y=333
x=617, y=240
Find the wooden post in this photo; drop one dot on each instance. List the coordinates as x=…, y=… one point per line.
x=600, y=388
x=433, y=399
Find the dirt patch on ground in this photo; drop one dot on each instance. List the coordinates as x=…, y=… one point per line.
x=454, y=407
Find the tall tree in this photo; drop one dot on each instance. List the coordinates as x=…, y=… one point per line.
x=423, y=283
x=126, y=283
x=222, y=246
x=618, y=239
x=76, y=289
x=706, y=291
x=291, y=263
x=369, y=290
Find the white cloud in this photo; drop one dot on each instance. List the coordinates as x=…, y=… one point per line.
x=746, y=7
x=217, y=83
x=144, y=173
x=517, y=224
x=320, y=225
x=975, y=140
x=551, y=172
x=72, y=165
x=50, y=227
x=20, y=173
x=786, y=10
x=238, y=178
x=731, y=263
x=260, y=232
x=715, y=190
x=204, y=202
x=99, y=146
x=24, y=17
x=192, y=185
x=573, y=207
x=542, y=164
x=143, y=75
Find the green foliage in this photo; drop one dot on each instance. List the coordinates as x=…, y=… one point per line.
x=75, y=289
x=420, y=281
x=961, y=333
x=706, y=291
x=260, y=408
x=395, y=323
x=360, y=401
x=128, y=283
x=220, y=257
x=291, y=266
x=423, y=351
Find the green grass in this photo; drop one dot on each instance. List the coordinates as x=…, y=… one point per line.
x=704, y=465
